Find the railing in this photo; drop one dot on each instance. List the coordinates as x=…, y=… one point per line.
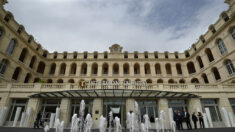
x=21, y=85
x=137, y=86
x=55, y=85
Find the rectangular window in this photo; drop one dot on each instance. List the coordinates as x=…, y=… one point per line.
x=232, y=103
x=49, y=106
x=148, y=107
x=16, y=103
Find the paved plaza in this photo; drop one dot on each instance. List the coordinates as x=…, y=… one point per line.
x=11, y=129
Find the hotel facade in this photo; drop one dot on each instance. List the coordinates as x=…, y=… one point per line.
x=36, y=80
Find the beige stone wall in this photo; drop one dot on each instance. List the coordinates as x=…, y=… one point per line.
x=34, y=49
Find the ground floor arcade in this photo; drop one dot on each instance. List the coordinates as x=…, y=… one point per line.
x=120, y=101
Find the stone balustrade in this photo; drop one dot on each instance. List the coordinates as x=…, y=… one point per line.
x=41, y=87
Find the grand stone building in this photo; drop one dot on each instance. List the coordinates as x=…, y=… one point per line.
x=201, y=77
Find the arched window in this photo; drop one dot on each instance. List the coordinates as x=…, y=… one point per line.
x=179, y=69
x=159, y=81
x=136, y=55
x=94, y=69
x=221, y=46
x=105, y=69
x=105, y=55
x=233, y=33
x=186, y=54
x=225, y=16
x=1, y=32
x=126, y=69
x=146, y=56
x=209, y=55
x=8, y=17
x=125, y=55
x=27, y=78
x=73, y=69
x=16, y=73
x=181, y=81
x=212, y=29
x=62, y=68
x=23, y=54
x=200, y=63
x=49, y=81
x=95, y=55
x=32, y=62
x=204, y=76
x=194, y=80
x=11, y=47
x=116, y=69
x=171, y=81
x=60, y=81
x=168, y=69
x=3, y=66
x=71, y=81
x=75, y=55
x=149, y=83
x=147, y=69
x=191, y=67
x=52, y=69
x=84, y=69
x=136, y=68
x=41, y=67
x=216, y=73
x=44, y=54
x=229, y=66
x=65, y=55
x=158, y=68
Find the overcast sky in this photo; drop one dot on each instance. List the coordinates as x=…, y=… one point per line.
x=137, y=25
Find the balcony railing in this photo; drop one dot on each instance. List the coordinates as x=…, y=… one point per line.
x=27, y=87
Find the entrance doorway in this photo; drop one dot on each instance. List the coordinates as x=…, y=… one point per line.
x=118, y=108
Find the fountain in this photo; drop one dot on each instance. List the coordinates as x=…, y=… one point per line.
x=102, y=124
x=226, y=117
x=110, y=120
x=59, y=126
x=163, y=120
x=88, y=123
x=142, y=127
x=117, y=125
x=173, y=126
x=46, y=129
x=57, y=115
x=17, y=115
x=81, y=115
x=74, y=123
x=147, y=124
x=157, y=124
x=52, y=118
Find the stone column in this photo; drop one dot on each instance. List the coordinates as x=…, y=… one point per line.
x=142, y=71
x=163, y=105
x=65, y=109
x=99, y=70
x=121, y=69
x=194, y=104
x=34, y=104
x=130, y=105
x=224, y=102
x=97, y=111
